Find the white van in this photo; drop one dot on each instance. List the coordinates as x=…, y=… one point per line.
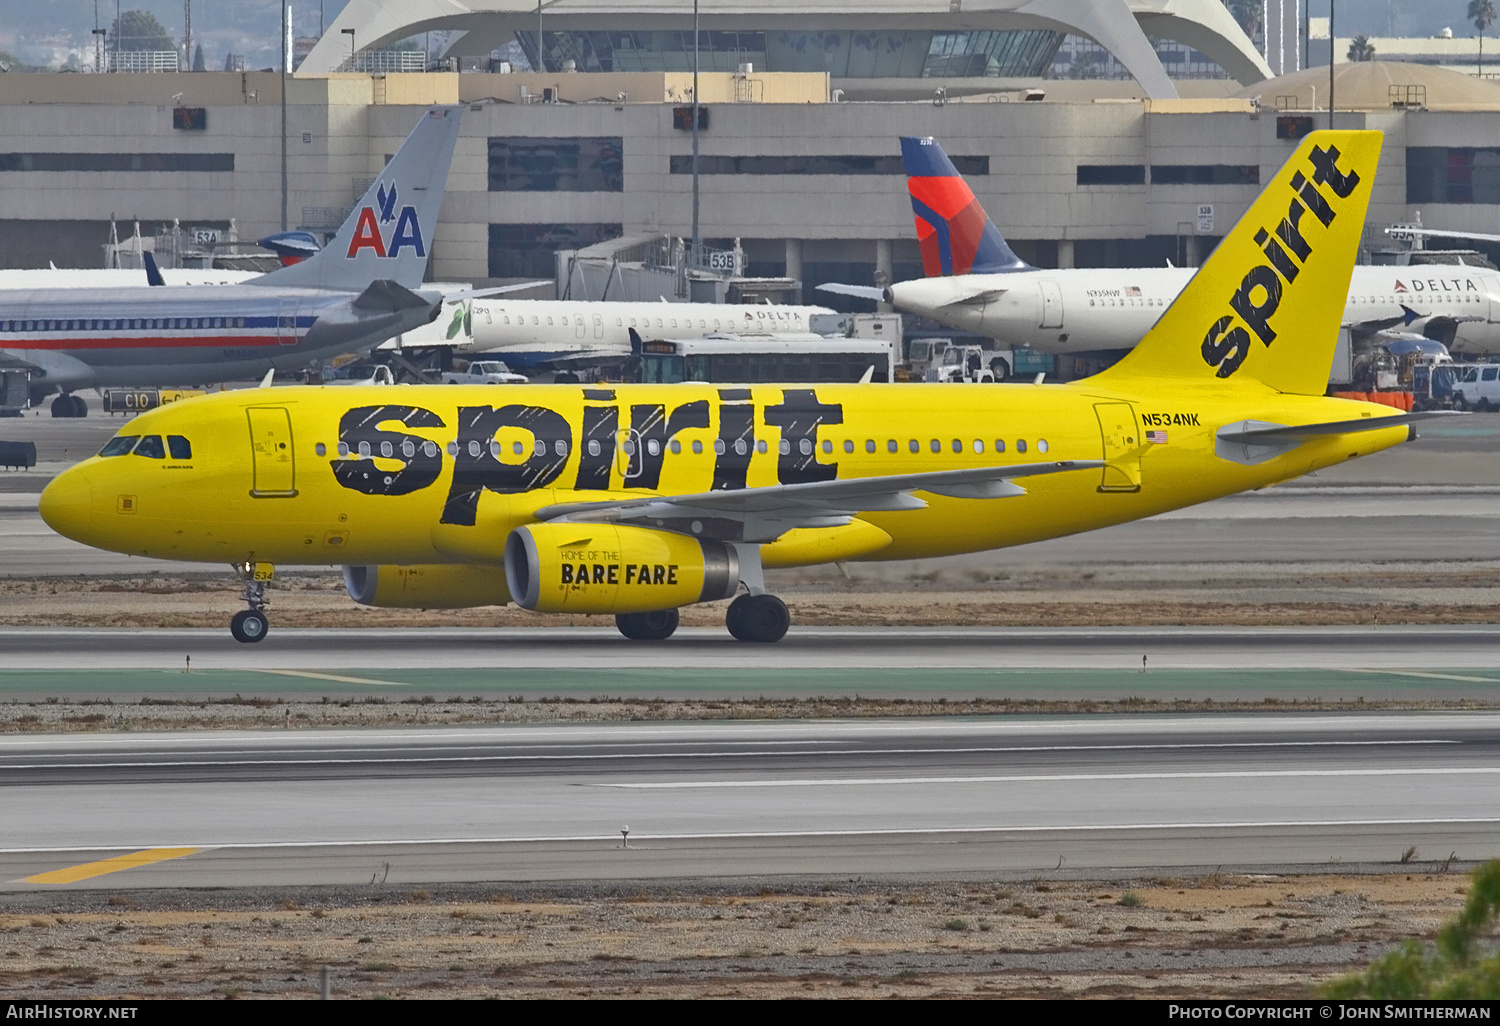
x=1476, y=385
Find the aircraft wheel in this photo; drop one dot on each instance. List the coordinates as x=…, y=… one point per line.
x=249, y=625
x=80, y=406
x=758, y=618
x=62, y=406
x=657, y=625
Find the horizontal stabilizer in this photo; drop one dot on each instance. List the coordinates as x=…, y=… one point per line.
x=498, y=290
x=388, y=296
x=981, y=298
x=1257, y=431
x=862, y=291
x=1256, y=441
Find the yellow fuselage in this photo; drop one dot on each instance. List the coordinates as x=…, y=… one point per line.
x=266, y=480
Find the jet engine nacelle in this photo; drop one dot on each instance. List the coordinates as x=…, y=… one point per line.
x=443, y=586
x=605, y=568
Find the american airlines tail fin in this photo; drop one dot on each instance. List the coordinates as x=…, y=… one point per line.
x=1267, y=304
x=388, y=236
x=954, y=232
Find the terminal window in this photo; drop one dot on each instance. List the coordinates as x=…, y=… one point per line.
x=816, y=164
x=1452, y=174
x=576, y=164
x=1205, y=174
x=527, y=250
x=1111, y=174
x=116, y=161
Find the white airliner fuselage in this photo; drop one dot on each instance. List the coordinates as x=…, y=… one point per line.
x=1083, y=309
x=529, y=332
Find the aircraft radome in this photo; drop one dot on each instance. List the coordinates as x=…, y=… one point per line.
x=638, y=499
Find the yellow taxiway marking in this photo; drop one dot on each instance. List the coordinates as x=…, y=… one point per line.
x=334, y=676
x=1434, y=676
x=91, y=869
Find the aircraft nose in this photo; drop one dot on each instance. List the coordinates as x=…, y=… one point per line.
x=67, y=504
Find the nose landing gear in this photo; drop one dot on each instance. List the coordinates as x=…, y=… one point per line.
x=250, y=625
x=654, y=626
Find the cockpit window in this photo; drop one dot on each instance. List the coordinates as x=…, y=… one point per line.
x=179, y=447
x=151, y=448
x=119, y=445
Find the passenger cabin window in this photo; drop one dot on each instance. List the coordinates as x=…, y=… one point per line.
x=180, y=447
x=119, y=445
x=1020, y=445
x=151, y=448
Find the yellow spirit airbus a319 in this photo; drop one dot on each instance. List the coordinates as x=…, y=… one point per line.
x=638, y=499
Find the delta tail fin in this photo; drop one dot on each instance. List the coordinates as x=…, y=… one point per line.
x=955, y=234
x=1267, y=304
x=388, y=235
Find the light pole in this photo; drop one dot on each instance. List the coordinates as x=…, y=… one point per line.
x=284, y=58
x=696, y=256
x=1331, y=5
x=350, y=34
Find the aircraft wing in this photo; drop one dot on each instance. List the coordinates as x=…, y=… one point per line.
x=765, y=513
x=9, y=360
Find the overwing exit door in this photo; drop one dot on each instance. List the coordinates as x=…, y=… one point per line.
x=1122, y=447
x=272, y=454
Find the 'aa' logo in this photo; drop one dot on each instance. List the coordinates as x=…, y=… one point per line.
x=407, y=233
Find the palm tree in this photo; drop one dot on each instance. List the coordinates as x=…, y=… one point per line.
x=1248, y=13
x=1482, y=14
x=1360, y=49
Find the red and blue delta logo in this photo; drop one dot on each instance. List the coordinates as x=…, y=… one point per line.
x=369, y=233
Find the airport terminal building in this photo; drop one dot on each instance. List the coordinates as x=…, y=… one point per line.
x=800, y=165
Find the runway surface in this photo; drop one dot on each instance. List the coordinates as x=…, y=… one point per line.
x=746, y=799
x=1329, y=663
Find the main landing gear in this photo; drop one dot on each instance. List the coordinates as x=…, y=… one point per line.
x=758, y=618
x=654, y=626
x=755, y=616
x=250, y=625
x=70, y=406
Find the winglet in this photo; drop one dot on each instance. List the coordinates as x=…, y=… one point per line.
x=388, y=234
x=956, y=236
x=153, y=273
x=1267, y=304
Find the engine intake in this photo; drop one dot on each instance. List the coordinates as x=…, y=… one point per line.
x=605, y=568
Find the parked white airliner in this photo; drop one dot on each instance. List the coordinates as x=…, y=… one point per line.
x=976, y=283
x=533, y=332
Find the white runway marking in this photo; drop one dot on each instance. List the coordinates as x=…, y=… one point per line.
x=580, y=757
x=1030, y=778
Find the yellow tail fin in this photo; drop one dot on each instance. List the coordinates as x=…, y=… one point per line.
x=1267, y=305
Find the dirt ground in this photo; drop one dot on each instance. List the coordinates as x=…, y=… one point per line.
x=1203, y=936
x=1081, y=599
